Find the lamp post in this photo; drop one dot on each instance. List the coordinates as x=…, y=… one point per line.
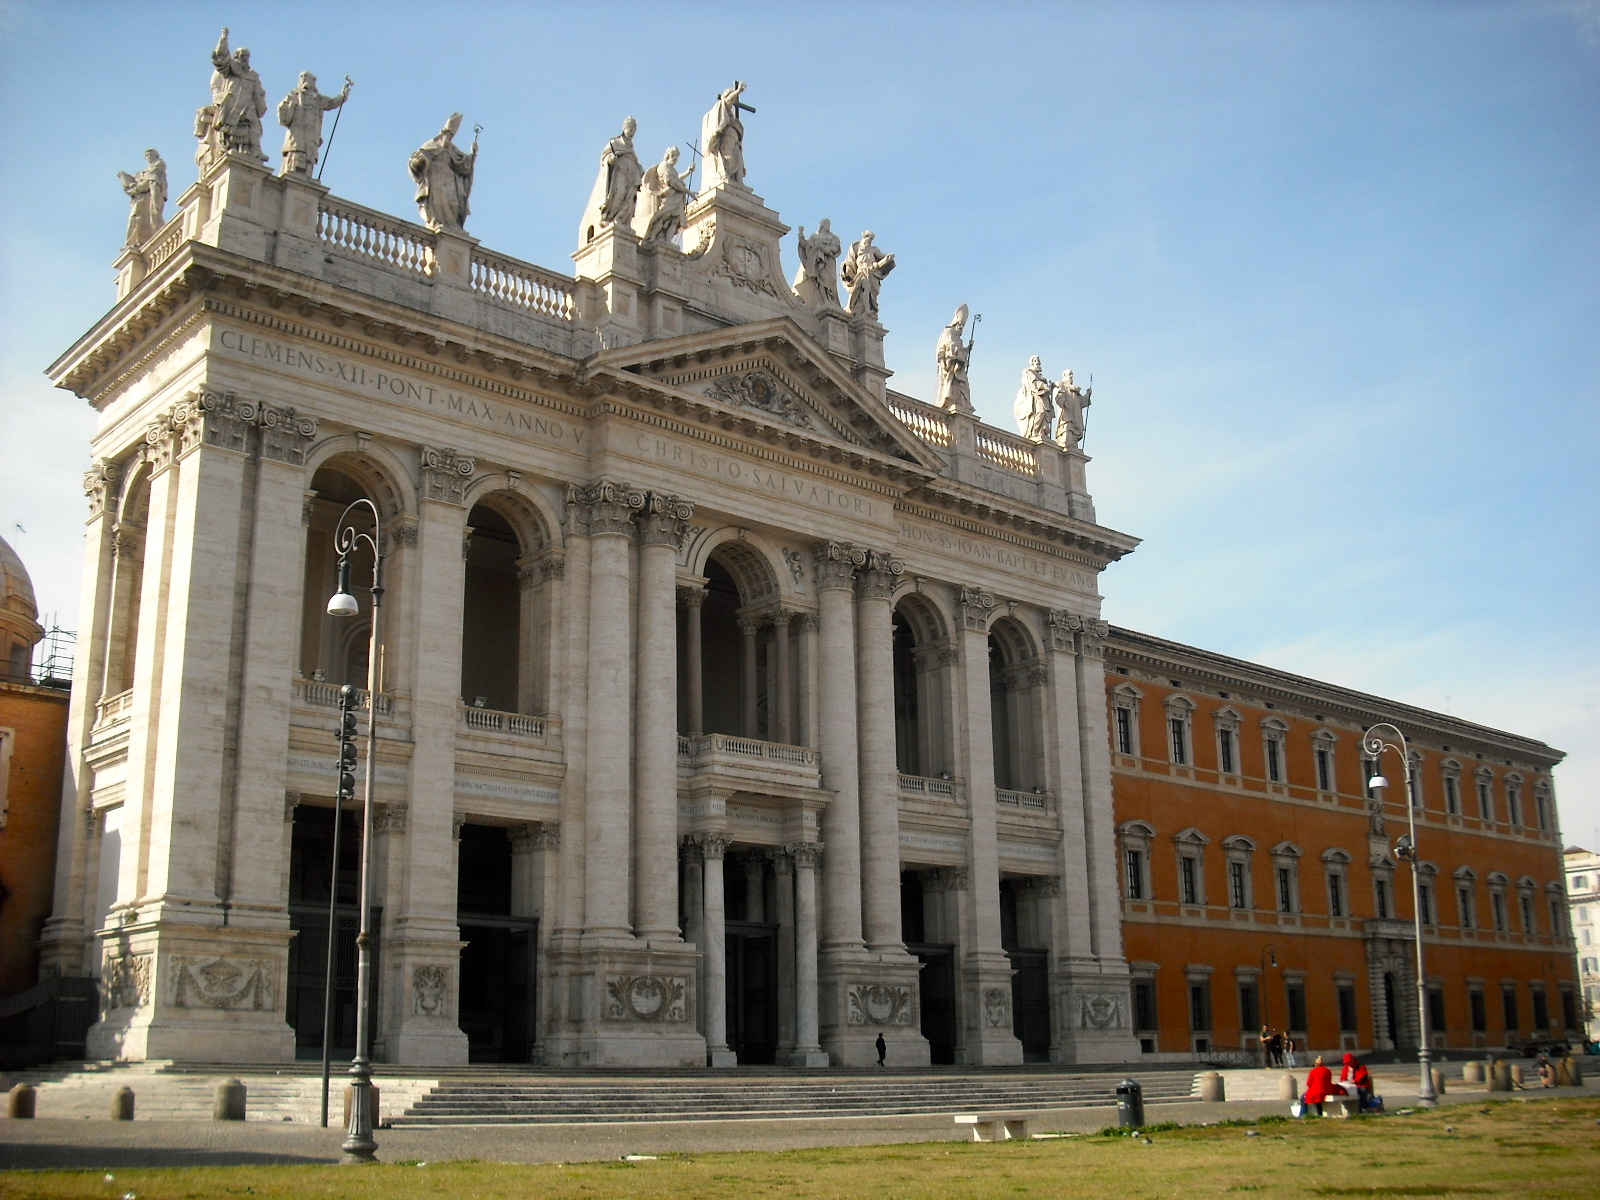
x=359, y=1145
x=1268, y=952
x=1374, y=742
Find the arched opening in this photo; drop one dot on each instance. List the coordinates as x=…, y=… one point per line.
x=747, y=683
x=127, y=586
x=1015, y=698
x=491, y=613
x=334, y=650
x=923, y=660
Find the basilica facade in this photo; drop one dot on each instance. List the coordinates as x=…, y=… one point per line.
x=731, y=706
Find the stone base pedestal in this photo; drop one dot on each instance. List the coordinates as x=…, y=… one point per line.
x=987, y=1039
x=420, y=995
x=1094, y=1020
x=808, y=1058
x=864, y=995
x=193, y=993
x=624, y=1006
x=721, y=1058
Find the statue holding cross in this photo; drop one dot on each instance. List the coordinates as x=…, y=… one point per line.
x=722, y=138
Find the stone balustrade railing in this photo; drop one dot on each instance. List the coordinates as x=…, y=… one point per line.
x=524, y=285
x=1011, y=799
x=1007, y=450
x=490, y=720
x=924, y=786
x=319, y=694
x=164, y=243
x=930, y=424
x=713, y=744
x=114, y=708
x=367, y=233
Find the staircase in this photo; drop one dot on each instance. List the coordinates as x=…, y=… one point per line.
x=538, y=1099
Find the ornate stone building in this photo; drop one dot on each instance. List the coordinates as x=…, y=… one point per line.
x=732, y=705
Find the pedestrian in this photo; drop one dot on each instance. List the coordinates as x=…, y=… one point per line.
x=1319, y=1085
x=1355, y=1073
x=1547, y=1073
x=1288, y=1052
x=1274, y=1047
x=883, y=1050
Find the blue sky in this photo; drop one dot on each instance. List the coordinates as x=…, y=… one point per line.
x=1335, y=268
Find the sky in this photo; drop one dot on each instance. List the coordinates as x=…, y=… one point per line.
x=1334, y=269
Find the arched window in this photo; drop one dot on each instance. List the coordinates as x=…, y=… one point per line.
x=334, y=649
x=923, y=662
x=127, y=584
x=1016, y=686
x=742, y=631
x=504, y=614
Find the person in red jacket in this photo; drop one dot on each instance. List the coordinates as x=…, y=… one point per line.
x=1354, y=1072
x=1319, y=1083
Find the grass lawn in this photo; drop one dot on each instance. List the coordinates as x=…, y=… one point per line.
x=1550, y=1148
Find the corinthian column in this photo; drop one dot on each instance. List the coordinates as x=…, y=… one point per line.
x=784, y=730
x=604, y=511
x=749, y=627
x=841, y=820
x=694, y=603
x=655, y=851
x=713, y=846
x=808, y=1051
x=880, y=786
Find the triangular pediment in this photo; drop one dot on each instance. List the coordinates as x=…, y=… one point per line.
x=773, y=371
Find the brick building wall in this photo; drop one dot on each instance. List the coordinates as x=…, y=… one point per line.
x=33, y=726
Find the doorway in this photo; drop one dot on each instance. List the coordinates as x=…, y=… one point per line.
x=1030, y=1003
x=498, y=985
x=936, y=993
x=752, y=961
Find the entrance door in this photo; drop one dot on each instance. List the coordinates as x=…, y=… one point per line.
x=310, y=883
x=936, y=993
x=1030, y=1003
x=497, y=987
x=753, y=991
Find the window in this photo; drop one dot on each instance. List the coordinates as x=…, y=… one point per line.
x=1179, y=730
x=1225, y=754
x=1485, y=793
x=1514, y=799
x=1335, y=895
x=1275, y=744
x=1324, y=769
x=1425, y=908
x=1414, y=778
x=1525, y=902
x=1369, y=772
x=1144, y=1005
x=1125, y=700
x=1555, y=917
x=1180, y=719
x=1124, y=731
x=1133, y=870
x=1227, y=721
x=1295, y=994
x=1249, y=1006
x=1336, y=863
x=1436, y=1021
x=1580, y=883
x=1380, y=889
x=1497, y=908
x=1508, y=1002
x=1286, y=889
x=1191, y=844
x=1569, y=1009
x=1541, y=1008
x=1274, y=760
x=1240, y=892
x=1478, y=1010
x=1345, y=995
x=1200, y=1005
x=1286, y=876
x=1238, y=888
x=1465, y=906
x=1189, y=879
x=1136, y=837
x=1541, y=805
x=1450, y=770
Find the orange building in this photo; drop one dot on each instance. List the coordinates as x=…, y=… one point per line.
x=1259, y=878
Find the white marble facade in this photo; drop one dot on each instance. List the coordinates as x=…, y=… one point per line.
x=731, y=663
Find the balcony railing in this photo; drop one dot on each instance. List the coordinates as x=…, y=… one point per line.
x=930, y=424
x=489, y=720
x=114, y=708
x=713, y=744
x=369, y=234
x=326, y=695
x=523, y=285
x=1008, y=451
x=1012, y=799
x=927, y=788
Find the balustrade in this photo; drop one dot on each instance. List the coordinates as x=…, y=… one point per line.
x=490, y=720
x=165, y=241
x=1010, y=799
x=369, y=234
x=523, y=285
x=930, y=424
x=114, y=708
x=920, y=785
x=326, y=695
x=713, y=744
x=1007, y=450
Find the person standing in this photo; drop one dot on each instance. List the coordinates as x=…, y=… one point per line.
x=883, y=1050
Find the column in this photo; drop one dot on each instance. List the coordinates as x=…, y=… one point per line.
x=784, y=732
x=987, y=1036
x=1095, y=756
x=783, y=876
x=530, y=667
x=808, y=1051
x=655, y=853
x=694, y=918
x=606, y=511
x=748, y=626
x=573, y=636
x=694, y=602
x=1066, y=779
x=713, y=846
x=755, y=885
x=807, y=734
x=841, y=820
x=880, y=788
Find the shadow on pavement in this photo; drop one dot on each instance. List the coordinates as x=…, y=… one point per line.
x=48, y=1156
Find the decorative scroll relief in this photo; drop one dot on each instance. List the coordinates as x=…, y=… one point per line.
x=879, y=1004
x=997, y=1008
x=430, y=990
x=223, y=983
x=125, y=981
x=1100, y=1010
x=445, y=474
x=658, y=998
x=744, y=263
x=757, y=389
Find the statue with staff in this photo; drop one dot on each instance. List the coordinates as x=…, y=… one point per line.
x=443, y=174
x=954, y=355
x=238, y=102
x=1071, y=419
x=300, y=113
x=666, y=200
x=722, y=136
x=147, y=192
x=615, y=197
x=1032, y=408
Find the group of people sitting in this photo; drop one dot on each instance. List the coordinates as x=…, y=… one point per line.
x=1320, y=1085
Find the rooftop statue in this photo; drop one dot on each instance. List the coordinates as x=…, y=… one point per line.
x=666, y=200
x=863, y=271
x=147, y=192
x=443, y=172
x=238, y=102
x=1071, y=401
x=300, y=114
x=817, y=285
x=722, y=138
x=955, y=395
x=1033, y=408
x=616, y=190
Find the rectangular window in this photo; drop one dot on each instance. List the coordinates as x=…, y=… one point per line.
x=1133, y=868
x=1296, y=994
x=1508, y=1001
x=1479, y=1011
x=1236, y=886
x=1369, y=772
x=1285, y=890
x=1144, y=1004
x=1513, y=804
x=1335, y=895
x=1436, y=1023
x=1324, y=770
x=1541, y=1009
x=1346, y=996
x=1555, y=917
x=1274, y=761
x=1200, y=1007
x=1541, y=811
x=1414, y=780
x=1381, y=887
x=1180, y=742
x=1124, y=731
x=1426, y=907
x=1529, y=925
x=1464, y=905
x=1225, y=751
x=1189, y=878
x=1249, y=1008
x=1452, y=795
x=1569, y=1010
x=1485, y=800
x=1497, y=905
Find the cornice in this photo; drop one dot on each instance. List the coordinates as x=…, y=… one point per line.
x=987, y=513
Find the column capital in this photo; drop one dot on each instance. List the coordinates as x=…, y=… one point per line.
x=458, y=822
x=810, y=622
x=291, y=801
x=127, y=542
x=782, y=618
x=391, y=818
x=603, y=508
x=692, y=853
x=534, y=835
x=664, y=520
x=877, y=576
x=100, y=486
x=692, y=595
x=1043, y=885
x=750, y=625
x=783, y=862
x=1063, y=627
x=977, y=607
x=713, y=845
x=948, y=879
x=402, y=532
x=807, y=855
x=445, y=474
x=836, y=564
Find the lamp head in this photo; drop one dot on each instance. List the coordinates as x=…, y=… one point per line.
x=1377, y=781
x=343, y=604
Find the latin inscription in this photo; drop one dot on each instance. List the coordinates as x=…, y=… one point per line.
x=464, y=406
x=756, y=477
x=999, y=555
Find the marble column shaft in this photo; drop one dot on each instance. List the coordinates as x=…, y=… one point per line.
x=1099, y=820
x=784, y=892
x=1076, y=939
x=694, y=603
x=880, y=782
x=807, y=856
x=836, y=678
x=749, y=686
x=784, y=732
x=715, y=998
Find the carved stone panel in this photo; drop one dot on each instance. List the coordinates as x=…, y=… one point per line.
x=1100, y=1010
x=430, y=990
x=997, y=1008
x=205, y=982
x=879, y=1004
x=125, y=981
x=657, y=998
x=757, y=389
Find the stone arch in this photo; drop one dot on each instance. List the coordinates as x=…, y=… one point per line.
x=529, y=513
x=1016, y=706
x=751, y=565
x=505, y=616
x=924, y=688
x=129, y=534
x=379, y=471
x=745, y=680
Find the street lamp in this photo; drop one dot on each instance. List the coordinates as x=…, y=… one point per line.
x=359, y=1145
x=1373, y=745
x=1268, y=952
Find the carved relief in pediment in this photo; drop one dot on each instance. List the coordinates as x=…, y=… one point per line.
x=757, y=389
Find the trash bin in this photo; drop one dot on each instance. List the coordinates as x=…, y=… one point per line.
x=1130, y=1104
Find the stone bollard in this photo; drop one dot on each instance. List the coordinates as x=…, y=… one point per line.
x=122, y=1104
x=1212, y=1088
x=1472, y=1072
x=1288, y=1088
x=1516, y=1075
x=229, y=1104
x=1499, y=1076
x=1438, y=1082
x=349, y=1091
x=1567, y=1072
x=1575, y=1065
x=20, y=1102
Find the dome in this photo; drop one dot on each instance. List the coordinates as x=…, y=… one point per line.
x=16, y=589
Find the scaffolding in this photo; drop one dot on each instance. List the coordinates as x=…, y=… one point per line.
x=53, y=656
